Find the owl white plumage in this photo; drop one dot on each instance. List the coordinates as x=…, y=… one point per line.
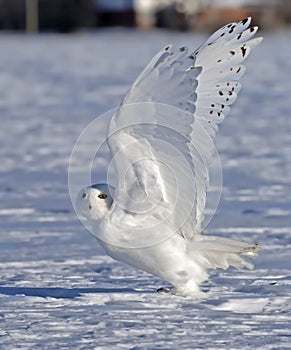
x=161, y=141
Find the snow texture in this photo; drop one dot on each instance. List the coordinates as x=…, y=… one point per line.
x=58, y=289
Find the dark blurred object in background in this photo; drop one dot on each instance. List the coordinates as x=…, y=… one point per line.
x=65, y=15
x=12, y=14
x=53, y=15
x=172, y=16
x=268, y=14
x=115, y=13
x=208, y=15
x=203, y=15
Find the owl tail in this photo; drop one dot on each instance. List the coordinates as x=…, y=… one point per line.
x=218, y=252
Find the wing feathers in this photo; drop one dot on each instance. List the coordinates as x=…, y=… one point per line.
x=204, y=83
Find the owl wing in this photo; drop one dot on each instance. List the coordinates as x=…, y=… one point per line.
x=198, y=90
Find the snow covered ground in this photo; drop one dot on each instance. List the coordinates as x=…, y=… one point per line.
x=58, y=290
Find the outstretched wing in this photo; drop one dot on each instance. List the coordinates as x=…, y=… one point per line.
x=203, y=85
x=153, y=167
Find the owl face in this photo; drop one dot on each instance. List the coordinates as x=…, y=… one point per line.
x=94, y=202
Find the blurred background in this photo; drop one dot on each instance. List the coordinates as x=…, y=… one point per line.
x=72, y=15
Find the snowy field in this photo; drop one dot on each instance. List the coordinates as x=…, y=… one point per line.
x=58, y=290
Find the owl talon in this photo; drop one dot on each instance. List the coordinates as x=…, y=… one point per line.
x=163, y=290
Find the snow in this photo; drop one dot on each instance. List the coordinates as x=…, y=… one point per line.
x=58, y=289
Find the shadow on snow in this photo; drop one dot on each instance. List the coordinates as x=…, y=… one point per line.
x=66, y=293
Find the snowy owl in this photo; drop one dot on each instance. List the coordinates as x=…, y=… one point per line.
x=162, y=145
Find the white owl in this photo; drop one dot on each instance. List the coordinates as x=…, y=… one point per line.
x=161, y=140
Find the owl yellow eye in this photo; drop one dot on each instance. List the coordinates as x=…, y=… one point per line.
x=102, y=196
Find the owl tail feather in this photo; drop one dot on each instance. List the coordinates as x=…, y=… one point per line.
x=219, y=252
